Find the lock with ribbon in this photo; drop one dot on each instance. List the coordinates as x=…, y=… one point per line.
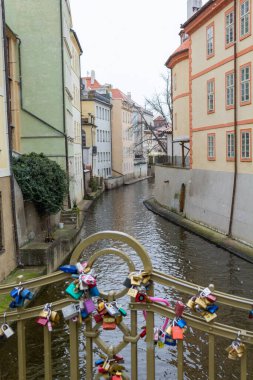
x=110, y=367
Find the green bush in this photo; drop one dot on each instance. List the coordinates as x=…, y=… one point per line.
x=42, y=181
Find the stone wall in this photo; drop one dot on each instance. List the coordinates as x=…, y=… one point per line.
x=208, y=196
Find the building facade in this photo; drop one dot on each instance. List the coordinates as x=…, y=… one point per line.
x=122, y=134
x=96, y=124
x=45, y=75
x=7, y=236
x=213, y=103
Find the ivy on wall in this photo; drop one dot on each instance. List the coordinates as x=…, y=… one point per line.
x=42, y=181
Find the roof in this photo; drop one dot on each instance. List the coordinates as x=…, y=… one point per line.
x=118, y=94
x=77, y=40
x=180, y=53
x=89, y=85
x=196, y=14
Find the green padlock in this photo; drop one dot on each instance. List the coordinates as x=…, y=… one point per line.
x=73, y=291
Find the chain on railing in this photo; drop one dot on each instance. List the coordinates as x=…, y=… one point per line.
x=148, y=304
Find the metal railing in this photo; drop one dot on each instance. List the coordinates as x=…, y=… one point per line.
x=130, y=334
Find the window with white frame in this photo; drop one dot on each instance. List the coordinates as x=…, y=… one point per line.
x=245, y=18
x=230, y=89
x=230, y=145
x=210, y=95
x=211, y=146
x=245, y=145
x=210, y=40
x=245, y=84
x=229, y=28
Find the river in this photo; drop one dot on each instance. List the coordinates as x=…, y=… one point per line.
x=172, y=250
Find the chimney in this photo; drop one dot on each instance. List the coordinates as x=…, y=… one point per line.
x=193, y=6
x=92, y=77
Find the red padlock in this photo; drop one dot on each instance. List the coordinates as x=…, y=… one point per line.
x=143, y=333
x=98, y=317
x=109, y=326
x=177, y=333
x=179, y=309
x=101, y=369
x=141, y=297
x=211, y=298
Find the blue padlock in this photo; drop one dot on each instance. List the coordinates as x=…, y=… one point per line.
x=181, y=323
x=169, y=341
x=212, y=308
x=26, y=294
x=68, y=269
x=94, y=292
x=84, y=314
x=14, y=292
x=99, y=362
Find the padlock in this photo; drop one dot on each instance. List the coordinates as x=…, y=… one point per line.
x=251, y=314
x=109, y=326
x=94, y=292
x=127, y=283
x=54, y=316
x=70, y=311
x=101, y=369
x=98, y=318
x=211, y=298
x=73, y=291
x=108, y=319
x=43, y=313
x=15, y=292
x=106, y=365
x=140, y=297
x=201, y=302
x=132, y=292
x=212, y=308
x=83, y=313
x=191, y=302
x=7, y=330
x=68, y=269
x=121, y=310
x=177, y=333
x=209, y=317
x=42, y=321
x=99, y=362
x=100, y=306
x=49, y=325
x=181, y=323
x=118, y=358
x=205, y=292
x=156, y=334
x=169, y=341
x=117, y=376
x=169, y=330
x=118, y=319
x=26, y=294
x=179, y=308
x=143, y=333
x=89, y=305
x=112, y=309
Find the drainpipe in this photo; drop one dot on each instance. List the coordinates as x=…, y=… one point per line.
x=235, y=123
x=172, y=130
x=13, y=205
x=63, y=101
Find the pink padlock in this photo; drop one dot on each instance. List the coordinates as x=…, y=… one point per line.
x=42, y=321
x=89, y=306
x=179, y=309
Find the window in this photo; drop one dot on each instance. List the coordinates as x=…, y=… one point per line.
x=97, y=135
x=210, y=96
x=246, y=145
x=230, y=90
x=244, y=19
x=211, y=146
x=230, y=146
x=229, y=17
x=245, y=84
x=103, y=115
x=210, y=40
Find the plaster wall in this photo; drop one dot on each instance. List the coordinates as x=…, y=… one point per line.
x=140, y=170
x=8, y=254
x=117, y=138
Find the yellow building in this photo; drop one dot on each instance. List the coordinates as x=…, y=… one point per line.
x=7, y=245
x=212, y=104
x=122, y=134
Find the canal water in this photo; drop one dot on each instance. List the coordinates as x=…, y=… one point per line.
x=173, y=251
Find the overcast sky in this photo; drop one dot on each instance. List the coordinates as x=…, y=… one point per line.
x=127, y=43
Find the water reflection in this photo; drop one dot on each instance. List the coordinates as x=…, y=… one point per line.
x=172, y=250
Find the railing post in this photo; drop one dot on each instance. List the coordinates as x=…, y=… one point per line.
x=74, y=360
x=244, y=366
x=47, y=354
x=150, y=346
x=89, y=350
x=134, y=354
x=211, y=361
x=180, y=359
x=21, y=350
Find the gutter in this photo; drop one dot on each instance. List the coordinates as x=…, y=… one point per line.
x=63, y=101
x=13, y=205
x=235, y=124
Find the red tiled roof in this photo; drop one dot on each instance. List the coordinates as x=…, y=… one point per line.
x=118, y=94
x=184, y=46
x=181, y=51
x=90, y=86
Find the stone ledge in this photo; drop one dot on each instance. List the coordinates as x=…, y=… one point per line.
x=235, y=247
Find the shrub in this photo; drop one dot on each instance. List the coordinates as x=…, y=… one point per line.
x=42, y=181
